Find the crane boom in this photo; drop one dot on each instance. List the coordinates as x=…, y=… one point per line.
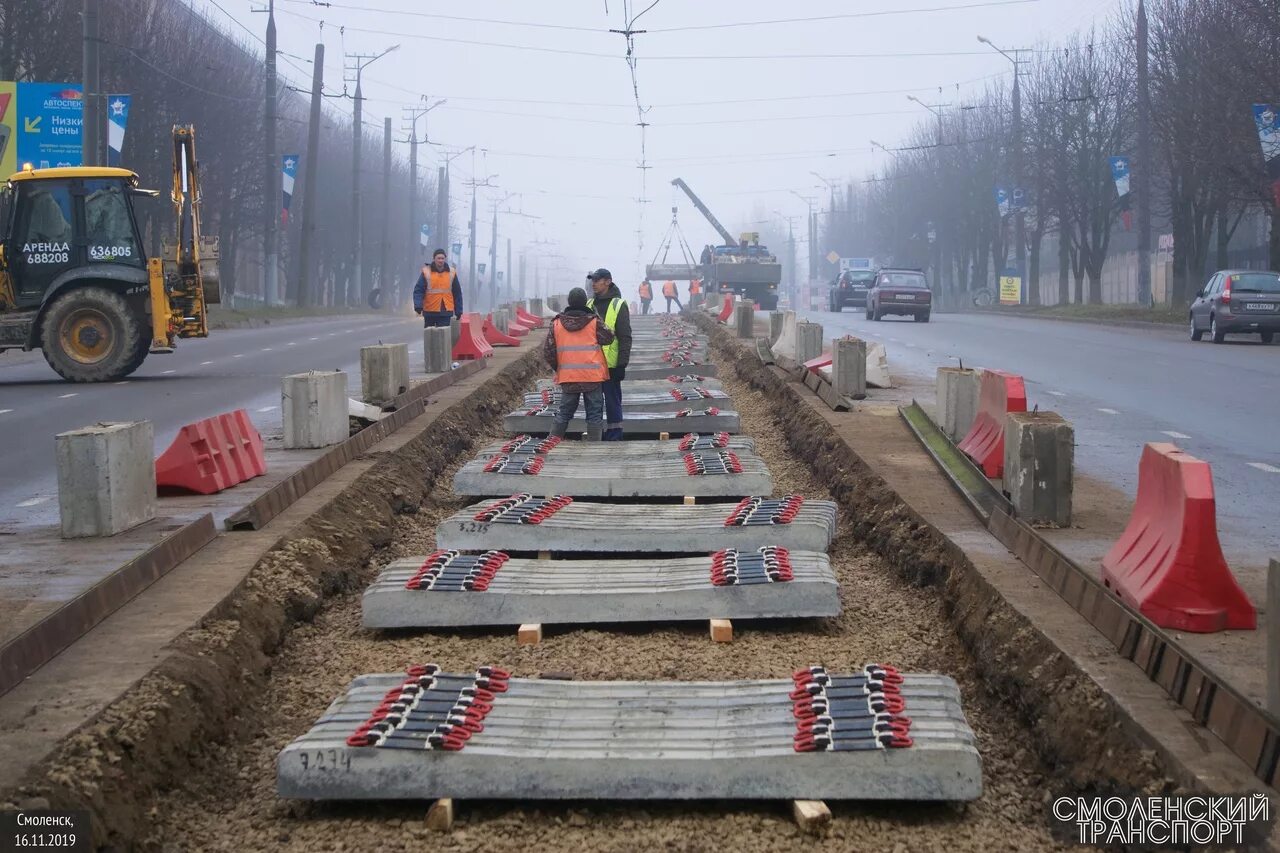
x=189, y=265
x=705, y=211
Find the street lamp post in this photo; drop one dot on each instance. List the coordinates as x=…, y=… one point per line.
x=362, y=61
x=935, y=239
x=1020, y=249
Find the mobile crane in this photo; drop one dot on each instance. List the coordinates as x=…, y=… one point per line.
x=75, y=282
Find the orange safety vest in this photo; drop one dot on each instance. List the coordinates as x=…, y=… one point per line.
x=695, y=287
x=646, y=290
x=579, y=357
x=669, y=289
x=439, y=294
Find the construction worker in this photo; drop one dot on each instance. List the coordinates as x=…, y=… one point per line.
x=612, y=309
x=646, y=296
x=669, y=291
x=575, y=349
x=695, y=288
x=437, y=296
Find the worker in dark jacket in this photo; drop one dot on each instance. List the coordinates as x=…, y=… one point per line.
x=575, y=349
x=437, y=296
x=612, y=309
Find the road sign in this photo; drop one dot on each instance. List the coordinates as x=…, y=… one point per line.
x=51, y=118
x=8, y=128
x=1010, y=288
x=424, y=236
x=480, y=269
x=833, y=256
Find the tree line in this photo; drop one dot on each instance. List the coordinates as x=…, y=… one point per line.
x=1075, y=109
x=182, y=68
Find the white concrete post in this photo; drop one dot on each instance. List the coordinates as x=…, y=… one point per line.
x=437, y=352
x=745, y=318
x=957, y=393
x=315, y=409
x=106, y=478
x=384, y=372
x=849, y=367
x=1039, y=462
x=808, y=342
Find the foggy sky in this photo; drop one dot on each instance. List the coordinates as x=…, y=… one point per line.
x=741, y=158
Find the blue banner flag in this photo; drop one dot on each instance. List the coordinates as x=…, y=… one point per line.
x=50, y=120
x=289, y=167
x=1120, y=173
x=1002, y=200
x=117, y=119
x=424, y=236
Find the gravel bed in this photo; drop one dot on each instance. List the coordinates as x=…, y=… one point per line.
x=228, y=801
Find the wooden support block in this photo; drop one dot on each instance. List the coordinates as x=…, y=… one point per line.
x=721, y=631
x=530, y=634
x=544, y=555
x=664, y=436
x=812, y=816
x=690, y=500
x=440, y=815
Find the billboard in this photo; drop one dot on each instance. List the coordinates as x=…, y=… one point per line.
x=49, y=124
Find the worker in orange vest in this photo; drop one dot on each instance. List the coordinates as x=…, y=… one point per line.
x=646, y=296
x=695, y=287
x=575, y=349
x=437, y=296
x=669, y=291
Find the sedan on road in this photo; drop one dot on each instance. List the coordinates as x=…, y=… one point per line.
x=900, y=291
x=850, y=289
x=1237, y=302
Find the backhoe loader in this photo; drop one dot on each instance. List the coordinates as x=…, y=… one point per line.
x=75, y=281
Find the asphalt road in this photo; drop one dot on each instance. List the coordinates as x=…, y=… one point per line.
x=1122, y=387
x=231, y=369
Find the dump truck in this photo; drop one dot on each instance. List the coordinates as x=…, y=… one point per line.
x=740, y=265
x=75, y=281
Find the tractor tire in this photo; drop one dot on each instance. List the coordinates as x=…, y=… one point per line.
x=92, y=335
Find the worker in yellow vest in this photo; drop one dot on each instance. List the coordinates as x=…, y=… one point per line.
x=575, y=347
x=646, y=296
x=669, y=291
x=610, y=307
x=437, y=296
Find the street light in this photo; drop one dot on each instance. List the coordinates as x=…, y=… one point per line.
x=357, y=130
x=1019, y=221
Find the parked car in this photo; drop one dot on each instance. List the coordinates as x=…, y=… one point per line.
x=1237, y=302
x=900, y=291
x=850, y=289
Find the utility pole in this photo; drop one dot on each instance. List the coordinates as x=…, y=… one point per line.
x=270, y=227
x=92, y=119
x=442, y=207
x=523, y=294
x=474, y=183
x=356, y=64
x=493, y=261
x=1019, y=217
x=307, y=284
x=384, y=263
x=1142, y=175
x=412, y=114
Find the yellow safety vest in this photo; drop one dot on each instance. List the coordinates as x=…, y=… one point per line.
x=610, y=323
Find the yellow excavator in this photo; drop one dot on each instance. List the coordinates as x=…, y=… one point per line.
x=75, y=281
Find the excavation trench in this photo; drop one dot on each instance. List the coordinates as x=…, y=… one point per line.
x=187, y=760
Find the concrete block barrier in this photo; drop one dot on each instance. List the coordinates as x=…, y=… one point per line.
x=878, y=366
x=849, y=367
x=106, y=478
x=784, y=346
x=212, y=454
x=384, y=372
x=957, y=400
x=314, y=409
x=745, y=321
x=776, y=319
x=808, y=342
x=437, y=349
x=540, y=739
x=1000, y=394
x=1039, y=467
x=1168, y=564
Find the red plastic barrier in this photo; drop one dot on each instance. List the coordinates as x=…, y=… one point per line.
x=1168, y=564
x=517, y=329
x=495, y=336
x=527, y=319
x=471, y=343
x=212, y=454
x=813, y=364
x=1001, y=393
x=726, y=310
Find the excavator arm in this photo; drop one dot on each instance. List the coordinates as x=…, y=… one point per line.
x=705, y=211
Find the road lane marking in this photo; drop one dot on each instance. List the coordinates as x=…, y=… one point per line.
x=1057, y=393
x=1262, y=466
x=36, y=501
x=266, y=349
x=293, y=343
x=1108, y=411
x=313, y=339
x=1174, y=433
x=5, y=411
x=241, y=355
x=65, y=396
x=268, y=409
x=167, y=372
x=203, y=363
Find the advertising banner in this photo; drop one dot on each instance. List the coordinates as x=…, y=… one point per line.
x=289, y=171
x=117, y=120
x=1267, y=119
x=50, y=116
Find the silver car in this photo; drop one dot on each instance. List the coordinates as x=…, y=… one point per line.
x=1237, y=302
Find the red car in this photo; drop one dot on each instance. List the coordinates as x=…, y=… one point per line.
x=900, y=291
